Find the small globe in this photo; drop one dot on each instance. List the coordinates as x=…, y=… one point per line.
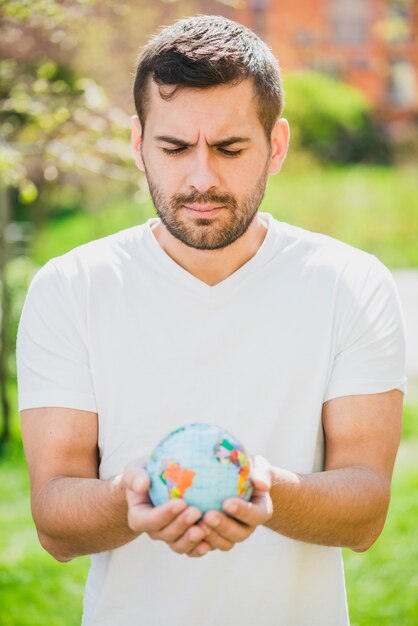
x=201, y=463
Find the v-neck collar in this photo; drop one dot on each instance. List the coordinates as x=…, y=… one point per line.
x=228, y=284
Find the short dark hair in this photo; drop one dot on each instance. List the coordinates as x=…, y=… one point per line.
x=204, y=51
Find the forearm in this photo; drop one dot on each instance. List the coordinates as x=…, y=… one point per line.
x=342, y=507
x=76, y=516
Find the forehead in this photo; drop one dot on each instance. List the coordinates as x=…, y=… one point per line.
x=219, y=110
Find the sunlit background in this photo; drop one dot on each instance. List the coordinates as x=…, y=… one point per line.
x=350, y=71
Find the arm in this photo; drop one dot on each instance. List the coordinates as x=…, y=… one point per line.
x=345, y=505
x=77, y=513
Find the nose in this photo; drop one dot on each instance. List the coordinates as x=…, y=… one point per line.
x=203, y=174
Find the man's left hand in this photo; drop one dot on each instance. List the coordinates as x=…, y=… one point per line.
x=242, y=517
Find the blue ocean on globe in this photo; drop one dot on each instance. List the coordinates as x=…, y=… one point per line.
x=201, y=463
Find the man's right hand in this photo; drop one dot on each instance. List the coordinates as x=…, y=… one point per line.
x=173, y=522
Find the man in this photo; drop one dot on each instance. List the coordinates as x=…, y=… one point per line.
x=212, y=312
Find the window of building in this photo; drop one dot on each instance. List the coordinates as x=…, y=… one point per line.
x=325, y=65
x=305, y=37
x=349, y=20
x=400, y=20
x=259, y=11
x=402, y=84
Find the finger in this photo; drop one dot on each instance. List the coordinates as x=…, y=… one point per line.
x=226, y=531
x=179, y=526
x=217, y=542
x=145, y=517
x=140, y=495
x=258, y=511
x=136, y=478
x=189, y=540
x=200, y=550
x=262, y=474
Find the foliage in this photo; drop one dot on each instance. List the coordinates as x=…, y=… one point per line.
x=40, y=11
x=53, y=123
x=410, y=423
x=331, y=118
x=382, y=583
x=19, y=273
x=64, y=121
x=57, y=127
x=35, y=590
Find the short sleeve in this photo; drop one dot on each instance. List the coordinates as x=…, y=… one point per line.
x=371, y=352
x=53, y=367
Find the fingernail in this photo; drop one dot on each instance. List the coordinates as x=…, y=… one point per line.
x=138, y=483
x=206, y=530
x=213, y=521
x=192, y=517
x=177, y=506
x=230, y=507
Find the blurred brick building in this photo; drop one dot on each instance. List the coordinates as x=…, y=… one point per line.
x=372, y=44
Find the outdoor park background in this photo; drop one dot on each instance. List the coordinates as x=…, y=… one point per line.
x=67, y=176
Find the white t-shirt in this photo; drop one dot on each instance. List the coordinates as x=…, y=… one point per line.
x=117, y=327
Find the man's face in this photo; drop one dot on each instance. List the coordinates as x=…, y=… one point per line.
x=207, y=160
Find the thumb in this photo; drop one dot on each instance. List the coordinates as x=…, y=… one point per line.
x=136, y=478
x=262, y=473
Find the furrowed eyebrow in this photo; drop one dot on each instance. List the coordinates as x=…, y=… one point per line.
x=173, y=140
x=219, y=144
x=229, y=141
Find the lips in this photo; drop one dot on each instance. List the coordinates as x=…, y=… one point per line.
x=203, y=210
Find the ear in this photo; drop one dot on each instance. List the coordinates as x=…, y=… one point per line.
x=280, y=137
x=136, y=140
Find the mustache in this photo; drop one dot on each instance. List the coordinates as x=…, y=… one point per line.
x=224, y=199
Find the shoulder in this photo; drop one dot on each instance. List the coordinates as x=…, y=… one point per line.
x=104, y=251
x=316, y=255
x=98, y=257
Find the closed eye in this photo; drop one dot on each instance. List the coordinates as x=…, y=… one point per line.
x=230, y=153
x=174, y=151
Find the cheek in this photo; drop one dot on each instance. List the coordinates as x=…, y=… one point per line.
x=240, y=180
x=168, y=173
x=162, y=177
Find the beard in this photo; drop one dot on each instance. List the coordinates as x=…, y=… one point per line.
x=208, y=233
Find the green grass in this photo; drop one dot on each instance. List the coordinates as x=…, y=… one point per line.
x=382, y=583
x=373, y=208
x=35, y=590
x=410, y=412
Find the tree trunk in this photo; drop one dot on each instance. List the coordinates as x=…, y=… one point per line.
x=5, y=315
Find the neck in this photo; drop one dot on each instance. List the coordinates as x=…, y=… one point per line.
x=213, y=266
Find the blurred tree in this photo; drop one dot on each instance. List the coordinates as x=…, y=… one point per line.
x=54, y=124
x=59, y=130
x=397, y=25
x=4, y=318
x=332, y=120
x=60, y=133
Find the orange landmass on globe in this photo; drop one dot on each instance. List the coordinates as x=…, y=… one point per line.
x=243, y=478
x=177, y=479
